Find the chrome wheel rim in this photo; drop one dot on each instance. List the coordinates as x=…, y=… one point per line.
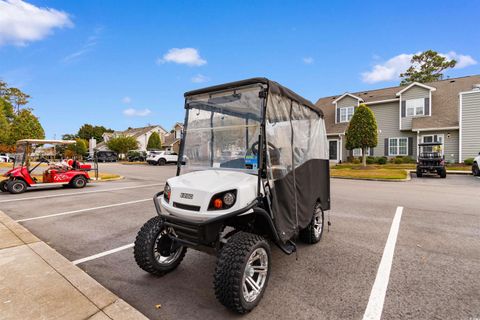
x=165, y=260
x=318, y=222
x=255, y=274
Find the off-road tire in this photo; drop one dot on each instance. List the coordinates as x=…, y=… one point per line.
x=442, y=173
x=16, y=186
x=162, y=162
x=419, y=173
x=3, y=186
x=144, y=246
x=78, y=182
x=475, y=170
x=230, y=268
x=308, y=235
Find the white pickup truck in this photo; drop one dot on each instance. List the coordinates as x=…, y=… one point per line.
x=161, y=157
x=476, y=166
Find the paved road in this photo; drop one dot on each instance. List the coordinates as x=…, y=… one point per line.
x=434, y=275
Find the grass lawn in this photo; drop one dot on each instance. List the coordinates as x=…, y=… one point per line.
x=371, y=172
x=404, y=166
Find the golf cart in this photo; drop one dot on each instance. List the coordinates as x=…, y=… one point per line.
x=256, y=170
x=431, y=159
x=66, y=173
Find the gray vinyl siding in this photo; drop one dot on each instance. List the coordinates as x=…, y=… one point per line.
x=414, y=92
x=470, y=128
x=450, y=146
x=347, y=101
x=387, y=116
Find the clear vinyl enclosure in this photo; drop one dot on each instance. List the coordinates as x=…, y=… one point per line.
x=259, y=126
x=223, y=130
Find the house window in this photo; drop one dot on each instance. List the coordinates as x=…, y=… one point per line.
x=358, y=152
x=398, y=146
x=415, y=107
x=346, y=114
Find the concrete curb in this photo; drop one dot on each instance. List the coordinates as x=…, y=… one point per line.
x=50, y=287
x=107, y=180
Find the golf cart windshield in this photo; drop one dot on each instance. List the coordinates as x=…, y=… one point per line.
x=222, y=130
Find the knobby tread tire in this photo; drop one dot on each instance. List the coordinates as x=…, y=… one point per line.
x=143, y=249
x=307, y=235
x=230, y=268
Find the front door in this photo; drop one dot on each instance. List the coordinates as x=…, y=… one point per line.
x=333, y=150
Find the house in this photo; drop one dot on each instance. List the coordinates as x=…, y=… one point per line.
x=141, y=134
x=172, y=139
x=447, y=111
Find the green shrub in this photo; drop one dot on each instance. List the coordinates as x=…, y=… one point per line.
x=409, y=160
x=370, y=160
x=398, y=160
x=356, y=161
x=469, y=161
x=381, y=160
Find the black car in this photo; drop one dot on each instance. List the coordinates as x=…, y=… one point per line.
x=106, y=156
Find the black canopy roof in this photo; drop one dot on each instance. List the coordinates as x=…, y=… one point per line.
x=273, y=87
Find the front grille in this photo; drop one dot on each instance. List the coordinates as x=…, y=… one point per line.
x=186, y=206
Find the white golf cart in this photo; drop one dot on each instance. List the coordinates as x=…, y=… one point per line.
x=256, y=169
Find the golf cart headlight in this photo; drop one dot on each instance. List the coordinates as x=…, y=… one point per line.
x=229, y=199
x=223, y=200
x=167, y=192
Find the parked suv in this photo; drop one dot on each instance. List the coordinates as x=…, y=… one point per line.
x=476, y=166
x=107, y=156
x=6, y=157
x=161, y=158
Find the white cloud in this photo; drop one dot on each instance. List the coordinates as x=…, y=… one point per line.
x=392, y=68
x=462, y=60
x=22, y=22
x=200, y=78
x=131, y=112
x=127, y=100
x=389, y=70
x=188, y=56
x=308, y=60
x=88, y=46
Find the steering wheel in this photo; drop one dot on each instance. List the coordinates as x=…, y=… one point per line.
x=255, y=147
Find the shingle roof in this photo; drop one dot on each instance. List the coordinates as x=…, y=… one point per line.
x=445, y=102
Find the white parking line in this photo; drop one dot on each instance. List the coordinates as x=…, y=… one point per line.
x=103, y=254
x=379, y=289
x=80, y=193
x=83, y=210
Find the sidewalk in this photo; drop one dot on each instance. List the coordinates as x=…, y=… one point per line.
x=36, y=282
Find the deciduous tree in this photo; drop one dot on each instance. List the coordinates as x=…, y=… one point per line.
x=25, y=126
x=362, y=132
x=426, y=67
x=122, y=144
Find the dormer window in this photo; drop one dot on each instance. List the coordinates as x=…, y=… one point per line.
x=346, y=113
x=415, y=107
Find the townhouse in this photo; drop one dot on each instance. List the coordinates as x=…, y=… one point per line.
x=447, y=111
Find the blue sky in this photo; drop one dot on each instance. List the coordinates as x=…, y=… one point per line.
x=128, y=63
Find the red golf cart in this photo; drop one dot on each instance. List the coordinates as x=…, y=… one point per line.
x=65, y=173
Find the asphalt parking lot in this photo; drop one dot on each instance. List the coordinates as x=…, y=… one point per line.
x=434, y=274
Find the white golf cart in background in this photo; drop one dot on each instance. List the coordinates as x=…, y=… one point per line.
x=256, y=169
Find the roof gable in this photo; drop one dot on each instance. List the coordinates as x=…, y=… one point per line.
x=415, y=84
x=345, y=95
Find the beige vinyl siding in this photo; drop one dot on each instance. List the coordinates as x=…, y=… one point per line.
x=387, y=116
x=347, y=101
x=414, y=92
x=470, y=127
x=450, y=146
